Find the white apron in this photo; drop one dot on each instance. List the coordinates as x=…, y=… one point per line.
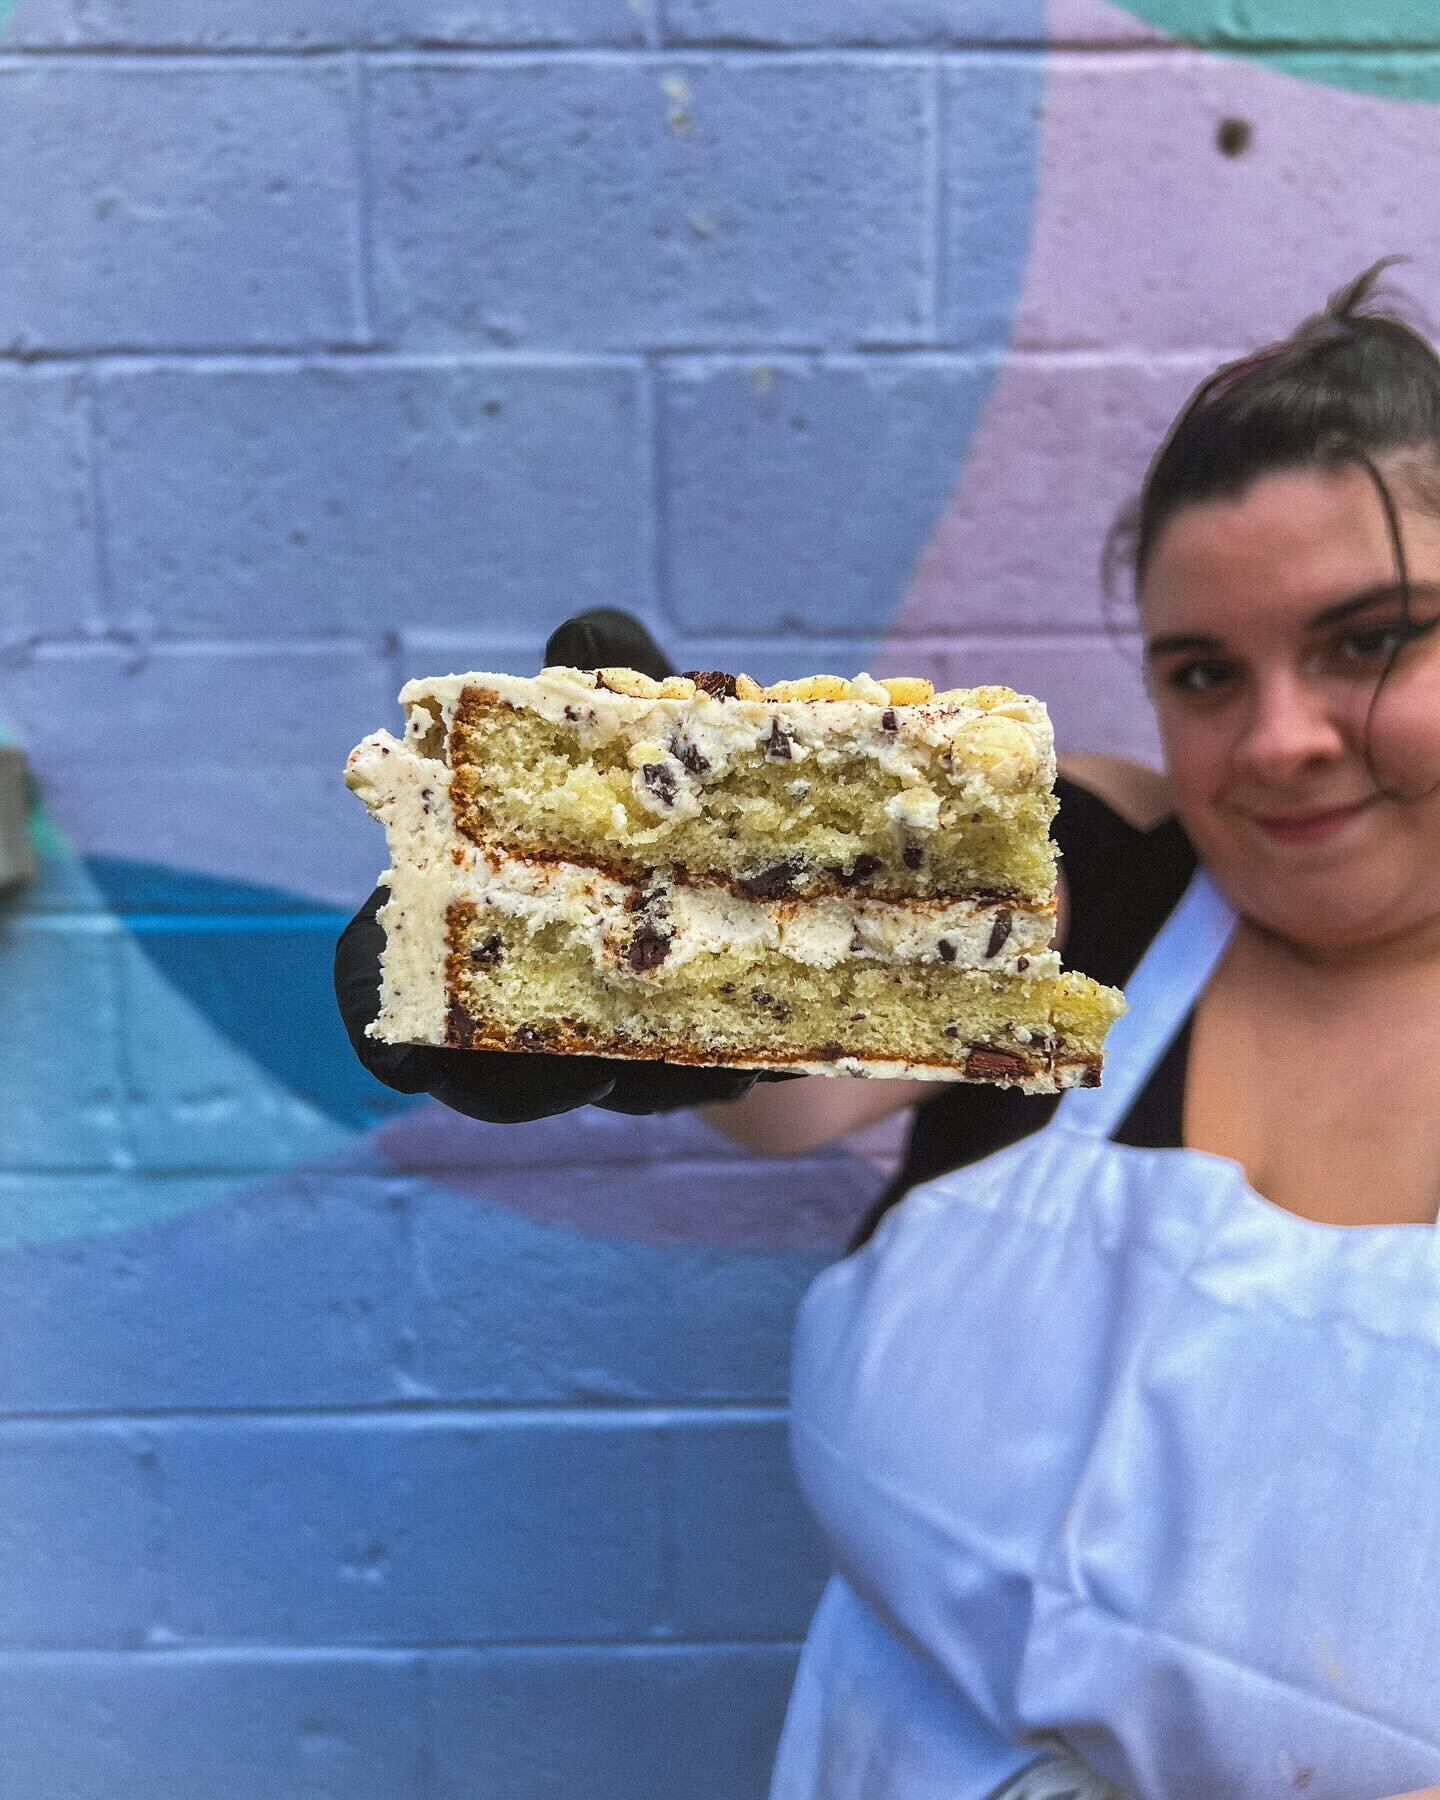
x=1105, y=1444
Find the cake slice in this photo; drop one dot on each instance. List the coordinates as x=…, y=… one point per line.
x=846, y=877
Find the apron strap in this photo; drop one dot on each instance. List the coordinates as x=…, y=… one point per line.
x=1160, y=994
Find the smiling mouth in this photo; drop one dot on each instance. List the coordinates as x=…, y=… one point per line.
x=1307, y=828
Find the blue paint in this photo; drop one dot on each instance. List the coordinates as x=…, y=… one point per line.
x=255, y=961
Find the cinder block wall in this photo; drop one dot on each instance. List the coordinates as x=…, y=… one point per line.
x=347, y=1447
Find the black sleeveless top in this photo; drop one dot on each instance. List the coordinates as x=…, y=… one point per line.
x=1123, y=883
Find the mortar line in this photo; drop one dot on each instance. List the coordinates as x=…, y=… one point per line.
x=95, y=496
x=362, y=242
x=933, y=200
x=650, y=1414
x=399, y=1651
x=171, y=359
x=655, y=518
x=435, y=52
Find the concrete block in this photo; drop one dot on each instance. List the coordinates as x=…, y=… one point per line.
x=1062, y=452
x=648, y=1724
x=798, y=497
x=287, y=1293
x=595, y=1316
x=1326, y=182
x=35, y=23
x=213, y=1726
x=48, y=570
x=1310, y=24
x=410, y=1529
x=1102, y=22
x=328, y=24
x=799, y=22
x=227, y=1026
x=991, y=109
x=187, y=207
x=634, y=204
x=76, y=1537
x=60, y=1106
x=318, y=499
x=230, y=764
x=747, y=1560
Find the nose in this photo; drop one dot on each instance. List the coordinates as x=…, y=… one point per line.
x=1291, y=729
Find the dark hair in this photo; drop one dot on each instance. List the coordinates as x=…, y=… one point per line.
x=1355, y=384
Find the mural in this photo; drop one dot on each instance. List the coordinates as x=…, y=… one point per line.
x=303, y=1367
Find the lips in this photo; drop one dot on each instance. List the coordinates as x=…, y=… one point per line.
x=1307, y=827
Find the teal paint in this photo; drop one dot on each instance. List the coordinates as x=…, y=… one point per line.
x=1389, y=48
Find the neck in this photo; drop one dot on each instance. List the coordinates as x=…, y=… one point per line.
x=1408, y=951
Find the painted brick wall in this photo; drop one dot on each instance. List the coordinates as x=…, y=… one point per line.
x=348, y=1448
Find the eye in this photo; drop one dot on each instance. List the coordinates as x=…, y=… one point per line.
x=1374, y=643
x=1202, y=676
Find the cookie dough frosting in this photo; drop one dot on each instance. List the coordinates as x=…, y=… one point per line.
x=853, y=877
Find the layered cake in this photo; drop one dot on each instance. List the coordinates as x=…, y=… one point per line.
x=845, y=877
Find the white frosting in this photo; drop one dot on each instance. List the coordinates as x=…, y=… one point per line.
x=977, y=743
x=433, y=866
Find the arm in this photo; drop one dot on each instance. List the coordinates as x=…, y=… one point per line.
x=789, y=1118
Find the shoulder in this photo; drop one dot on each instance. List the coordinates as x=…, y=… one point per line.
x=1124, y=862
x=1140, y=795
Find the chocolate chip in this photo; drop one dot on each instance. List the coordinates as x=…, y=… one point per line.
x=528, y=1038
x=727, y=987
x=829, y=1052
x=912, y=856
x=648, y=949
x=460, y=1027
x=772, y=883
x=779, y=744
x=660, y=779
x=489, y=954
x=999, y=931
x=714, y=682
x=1022, y=963
x=863, y=867
x=571, y=714
x=888, y=721
x=951, y=1031
x=857, y=940
x=761, y=998
x=946, y=950
x=986, y=1061
x=856, y=1016
x=689, y=756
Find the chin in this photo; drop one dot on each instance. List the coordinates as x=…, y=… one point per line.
x=1325, y=908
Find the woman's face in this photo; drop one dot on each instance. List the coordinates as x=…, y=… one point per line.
x=1268, y=620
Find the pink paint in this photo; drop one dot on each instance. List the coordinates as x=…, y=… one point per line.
x=1153, y=257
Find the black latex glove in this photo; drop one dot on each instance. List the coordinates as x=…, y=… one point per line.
x=497, y=1085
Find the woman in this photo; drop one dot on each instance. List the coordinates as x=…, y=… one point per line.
x=1124, y=1430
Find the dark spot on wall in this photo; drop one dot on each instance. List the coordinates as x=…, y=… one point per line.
x=1233, y=137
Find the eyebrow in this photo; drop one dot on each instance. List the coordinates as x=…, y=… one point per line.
x=1169, y=644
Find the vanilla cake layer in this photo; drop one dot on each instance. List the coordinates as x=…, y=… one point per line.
x=509, y=987
x=495, y=945
x=946, y=794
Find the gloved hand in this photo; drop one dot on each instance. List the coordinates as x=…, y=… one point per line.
x=495, y=1085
